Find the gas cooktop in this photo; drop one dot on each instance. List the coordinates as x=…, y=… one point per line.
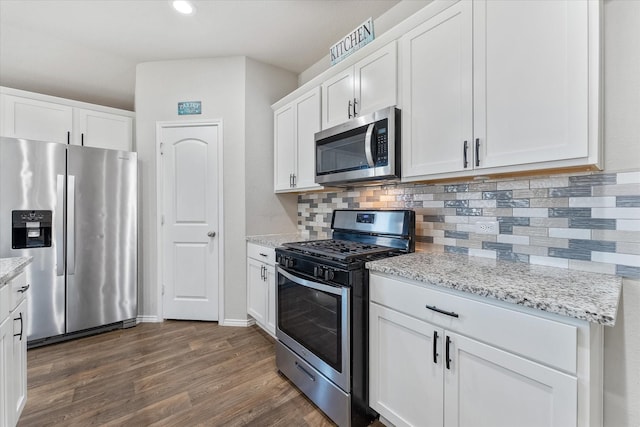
x=344, y=250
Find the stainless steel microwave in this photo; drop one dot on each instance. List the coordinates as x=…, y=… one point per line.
x=363, y=149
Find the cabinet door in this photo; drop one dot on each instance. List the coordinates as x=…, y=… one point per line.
x=337, y=99
x=405, y=383
x=36, y=120
x=6, y=354
x=437, y=102
x=284, y=147
x=19, y=364
x=102, y=130
x=531, y=81
x=256, y=291
x=307, y=124
x=376, y=78
x=271, y=299
x=485, y=386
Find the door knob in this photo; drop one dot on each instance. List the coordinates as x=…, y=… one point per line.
x=211, y=234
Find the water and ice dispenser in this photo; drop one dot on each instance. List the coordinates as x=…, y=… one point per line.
x=31, y=229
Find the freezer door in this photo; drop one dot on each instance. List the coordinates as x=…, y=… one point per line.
x=32, y=179
x=102, y=237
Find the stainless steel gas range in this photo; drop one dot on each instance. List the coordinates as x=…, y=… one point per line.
x=323, y=308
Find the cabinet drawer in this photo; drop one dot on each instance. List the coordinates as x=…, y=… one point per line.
x=18, y=291
x=5, y=291
x=547, y=341
x=261, y=253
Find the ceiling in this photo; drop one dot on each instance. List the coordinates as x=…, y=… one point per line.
x=88, y=49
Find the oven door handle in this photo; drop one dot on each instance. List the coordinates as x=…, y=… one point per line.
x=309, y=284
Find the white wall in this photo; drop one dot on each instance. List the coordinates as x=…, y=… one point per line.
x=384, y=22
x=221, y=85
x=266, y=212
x=622, y=152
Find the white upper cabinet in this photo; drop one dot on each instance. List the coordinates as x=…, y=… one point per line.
x=35, y=119
x=102, y=130
x=285, y=146
x=437, y=100
x=531, y=81
x=367, y=86
x=501, y=86
x=44, y=118
x=295, y=125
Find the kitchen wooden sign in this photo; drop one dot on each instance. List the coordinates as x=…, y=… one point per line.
x=353, y=41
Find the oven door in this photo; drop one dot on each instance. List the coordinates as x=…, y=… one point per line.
x=314, y=322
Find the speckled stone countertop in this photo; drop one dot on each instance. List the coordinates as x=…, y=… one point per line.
x=588, y=296
x=11, y=267
x=275, y=240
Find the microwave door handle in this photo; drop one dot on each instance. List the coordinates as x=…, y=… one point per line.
x=367, y=145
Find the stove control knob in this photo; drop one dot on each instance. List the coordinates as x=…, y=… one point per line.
x=288, y=262
x=317, y=271
x=329, y=274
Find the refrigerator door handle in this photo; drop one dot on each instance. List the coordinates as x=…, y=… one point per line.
x=71, y=225
x=59, y=225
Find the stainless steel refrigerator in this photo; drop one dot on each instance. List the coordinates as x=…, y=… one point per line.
x=74, y=210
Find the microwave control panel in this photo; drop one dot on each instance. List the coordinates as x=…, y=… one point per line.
x=382, y=147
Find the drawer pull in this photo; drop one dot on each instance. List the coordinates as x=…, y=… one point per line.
x=24, y=289
x=264, y=255
x=21, y=327
x=311, y=377
x=438, y=310
x=435, y=347
x=448, y=359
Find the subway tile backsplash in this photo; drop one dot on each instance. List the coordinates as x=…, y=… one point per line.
x=587, y=221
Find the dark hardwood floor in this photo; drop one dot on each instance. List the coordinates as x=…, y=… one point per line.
x=175, y=373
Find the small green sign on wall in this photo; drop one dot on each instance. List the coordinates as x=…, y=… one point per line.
x=189, y=107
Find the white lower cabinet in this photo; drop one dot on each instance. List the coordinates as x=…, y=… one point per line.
x=6, y=355
x=261, y=286
x=19, y=365
x=405, y=386
x=13, y=350
x=470, y=363
x=486, y=386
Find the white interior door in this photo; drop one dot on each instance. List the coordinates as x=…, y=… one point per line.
x=190, y=241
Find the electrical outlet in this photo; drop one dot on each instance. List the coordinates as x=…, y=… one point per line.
x=487, y=227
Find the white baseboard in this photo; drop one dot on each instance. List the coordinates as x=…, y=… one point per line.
x=148, y=319
x=237, y=322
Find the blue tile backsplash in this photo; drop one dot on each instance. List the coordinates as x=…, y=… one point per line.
x=587, y=221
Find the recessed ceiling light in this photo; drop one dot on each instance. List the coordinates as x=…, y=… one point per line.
x=183, y=6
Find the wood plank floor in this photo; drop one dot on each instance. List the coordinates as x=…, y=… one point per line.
x=175, y=373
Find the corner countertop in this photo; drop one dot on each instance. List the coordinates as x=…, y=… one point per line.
x=589, y=296
x=11, y=267
x=275, y=240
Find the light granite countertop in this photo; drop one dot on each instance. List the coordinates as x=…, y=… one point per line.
x=588, y=296
x=11, y=267
x=275, y=240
